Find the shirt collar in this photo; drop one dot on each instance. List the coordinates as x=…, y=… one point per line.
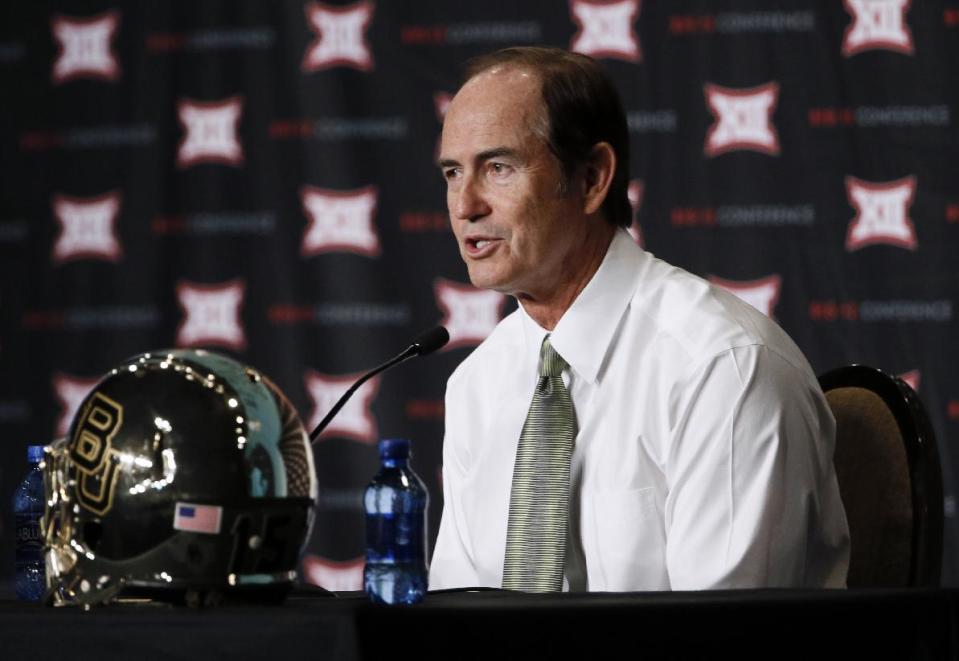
x=584, y=333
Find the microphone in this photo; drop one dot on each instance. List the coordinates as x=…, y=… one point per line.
x=423, y=344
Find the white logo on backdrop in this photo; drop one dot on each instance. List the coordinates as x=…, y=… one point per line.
x=470, y=314
x=606, y=29
x=211, y=132
x=87, y=227
x=85, y=47
x=341, y=37
x=340, y=221
x=355, y=420
x=883, y=213
x=743, y=119
x=877, y=25
x=211, y=314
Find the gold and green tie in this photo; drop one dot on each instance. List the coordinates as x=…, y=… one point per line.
x=539, y=499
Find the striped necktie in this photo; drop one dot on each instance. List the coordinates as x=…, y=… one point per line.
x=539, y=499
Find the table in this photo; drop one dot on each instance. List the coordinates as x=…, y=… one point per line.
x=493, y=624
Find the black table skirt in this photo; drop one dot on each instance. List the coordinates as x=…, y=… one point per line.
x=746, y=624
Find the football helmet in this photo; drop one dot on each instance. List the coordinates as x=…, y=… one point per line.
x=185, y=475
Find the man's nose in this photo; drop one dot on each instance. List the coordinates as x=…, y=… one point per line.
x=470, y=203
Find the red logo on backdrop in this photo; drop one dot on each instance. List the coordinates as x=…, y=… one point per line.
x=883, y=213
x=70, y=390
x=341, y=37
x=877, y=25
x=762, y=294
x=743, y=119
x=340, y=221
x=912, y=379
x=470, y=314
x=355, y=420
x=87, y=228
x=211, y=314
x=606, y=29
x=332, y=575
x=211, y=132
x=85, y=47
x=635, y=194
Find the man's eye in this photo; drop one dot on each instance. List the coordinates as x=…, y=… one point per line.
x=451, y=173
x=499, y=169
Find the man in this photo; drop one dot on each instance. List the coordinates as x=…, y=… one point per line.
x=629, y=427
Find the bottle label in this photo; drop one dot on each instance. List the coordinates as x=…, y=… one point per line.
x=396, y=538
x=29, y=544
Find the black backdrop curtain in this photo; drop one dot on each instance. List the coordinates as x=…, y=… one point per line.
x=257, y=178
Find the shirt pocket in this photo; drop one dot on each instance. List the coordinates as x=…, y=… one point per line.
x=625, y=541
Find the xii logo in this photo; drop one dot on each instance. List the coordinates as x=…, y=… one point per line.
x=211, y=314
x=743, y=119
x=85, y=47
x=883, y=213
x=97, y=463
x=877, y=25
x=341, y=37
x=606, y=29
x=211, y=132
x=470, y=314
x=87, y=227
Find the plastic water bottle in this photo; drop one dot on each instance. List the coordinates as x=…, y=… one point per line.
x=395, y=503
x=28, y=508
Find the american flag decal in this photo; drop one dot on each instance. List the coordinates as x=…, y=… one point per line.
x=197, y=518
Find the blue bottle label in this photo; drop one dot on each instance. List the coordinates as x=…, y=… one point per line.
x=29, y=544
x=395, y=537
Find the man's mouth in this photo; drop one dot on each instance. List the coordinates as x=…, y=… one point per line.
x=480, y=246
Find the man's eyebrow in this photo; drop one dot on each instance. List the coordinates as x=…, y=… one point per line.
x=495, y=152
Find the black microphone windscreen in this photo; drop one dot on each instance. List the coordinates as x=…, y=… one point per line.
x=431, y=340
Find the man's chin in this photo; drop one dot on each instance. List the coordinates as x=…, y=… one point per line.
x=484, y=280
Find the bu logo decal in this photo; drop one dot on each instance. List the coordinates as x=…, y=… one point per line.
x=97, y=463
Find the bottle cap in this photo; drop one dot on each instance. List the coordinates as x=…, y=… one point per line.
x=394, y=448
x=34, y=454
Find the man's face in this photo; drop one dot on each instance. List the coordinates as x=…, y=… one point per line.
x=517, y=230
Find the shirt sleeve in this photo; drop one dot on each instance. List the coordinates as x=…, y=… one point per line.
x=748, y=466
x=451, y=566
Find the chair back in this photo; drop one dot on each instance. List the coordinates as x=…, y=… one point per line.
x=889, y=478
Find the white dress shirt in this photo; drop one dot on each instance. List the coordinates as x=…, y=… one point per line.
x=704, y=452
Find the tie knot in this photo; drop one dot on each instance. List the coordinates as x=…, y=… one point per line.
x=550, y=362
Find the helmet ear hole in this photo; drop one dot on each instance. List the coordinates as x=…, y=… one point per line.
x=92, y=533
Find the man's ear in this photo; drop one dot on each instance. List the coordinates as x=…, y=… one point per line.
x=598, y=176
